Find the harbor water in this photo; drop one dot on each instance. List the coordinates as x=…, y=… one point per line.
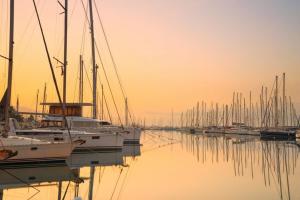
x=168, y=165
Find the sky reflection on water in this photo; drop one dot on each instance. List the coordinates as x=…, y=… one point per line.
x=169, y=165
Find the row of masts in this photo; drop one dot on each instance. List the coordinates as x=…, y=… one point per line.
x=269, y=111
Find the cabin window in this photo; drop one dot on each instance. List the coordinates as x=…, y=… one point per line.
x=95, y=137
x=84, y=124
x=31, y=178
x=58, y=139
x=104, y=123
x=33, y=148
x=37, y=133
x=94, y=162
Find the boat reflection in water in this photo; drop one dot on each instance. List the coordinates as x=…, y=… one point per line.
x=35, y=176
x=237, y=167
x=131, y=150
x=277, y=160
x=95, y=159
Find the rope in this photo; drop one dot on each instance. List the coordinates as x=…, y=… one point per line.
x=116, y=184
x=66, y=191
x=108, y=111
x=38, y=191
x=52, y=72
x=112, y=58
x=87, y=19
x=110, y=90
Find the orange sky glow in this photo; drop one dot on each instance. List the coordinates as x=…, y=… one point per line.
x=170, y=54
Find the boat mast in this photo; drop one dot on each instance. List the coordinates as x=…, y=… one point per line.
x=65, y=52
x=80, y=79
x=93, y=61
x=102, y=102
x=126, y=112
x=10, y=64
x=283, y=100
x=276, y=102
x=44, y=98
x=92, y=170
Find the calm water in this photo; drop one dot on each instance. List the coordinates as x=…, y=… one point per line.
x=169, y=165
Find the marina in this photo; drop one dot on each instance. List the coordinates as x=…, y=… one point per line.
x=149, y=100
x=253, y=168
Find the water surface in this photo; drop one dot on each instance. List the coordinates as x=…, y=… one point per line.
x=169, y=165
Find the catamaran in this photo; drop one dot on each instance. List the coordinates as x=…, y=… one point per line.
x=84, y=141
x=76, y=122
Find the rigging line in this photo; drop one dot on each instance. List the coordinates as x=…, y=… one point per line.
x=53, y=74
x=66, y=191
x=270, y=165
x=27, y=25
x=107, y=108
x=24, y=182
x=268, y=106
x=123, y=183
x=87, y=20
x=68, y=25
x=87, y=76
x=109, y=49
x=116, y=184
x=111, y=96
x=112, y=57
x=108, y=84
x=76, y=82
x=84, y=28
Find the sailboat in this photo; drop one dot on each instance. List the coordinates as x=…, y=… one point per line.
x=277, y=133
x=57, y=130
x=15, y=149
x=110, y=136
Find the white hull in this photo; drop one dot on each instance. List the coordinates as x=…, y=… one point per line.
x=31, y=151
x=90, y=141
x=98, y=142
x=131, y=135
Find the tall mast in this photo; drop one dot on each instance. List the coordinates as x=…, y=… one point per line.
x=126, y=112
x=10, y=63
x=276, y=102
x=65, y=53
x=93, y=61
x=44, y=98
x=283, y=100
x=102, y=102
x=197, y=115
x=250, y=110
x=80, y=79
x=17, y=104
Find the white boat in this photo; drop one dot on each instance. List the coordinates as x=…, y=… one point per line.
x=131, y=135
x=241, y=131
x=84, y=141
x=16, y=150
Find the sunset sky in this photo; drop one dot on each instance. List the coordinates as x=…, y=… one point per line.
x=170, y=53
